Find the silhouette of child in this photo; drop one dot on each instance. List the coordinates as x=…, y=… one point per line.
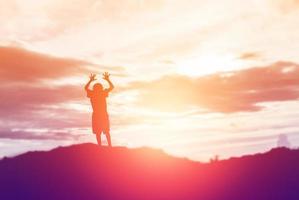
x=100, y=118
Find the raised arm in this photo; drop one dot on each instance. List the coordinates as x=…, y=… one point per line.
x=106, y=76
x=92, y=77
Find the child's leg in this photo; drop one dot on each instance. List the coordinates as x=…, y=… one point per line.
x=108, y=138
x=99, y=139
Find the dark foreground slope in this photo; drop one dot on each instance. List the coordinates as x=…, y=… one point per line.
x=87, y=172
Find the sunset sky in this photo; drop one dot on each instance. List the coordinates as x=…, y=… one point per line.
x=195, y=78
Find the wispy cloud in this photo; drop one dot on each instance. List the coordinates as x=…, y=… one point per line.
x=236, y=91
x=249, y=56
x=43, y=135
x=21, y=65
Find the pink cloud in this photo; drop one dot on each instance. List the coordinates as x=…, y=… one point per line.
x=249, y=56
x=22, y=65
x=235, y=91
x=40, y=108
x=29, y=135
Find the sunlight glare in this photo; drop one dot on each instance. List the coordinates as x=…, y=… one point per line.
x=207, y=64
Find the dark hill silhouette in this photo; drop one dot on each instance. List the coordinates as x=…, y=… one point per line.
x=87, y=172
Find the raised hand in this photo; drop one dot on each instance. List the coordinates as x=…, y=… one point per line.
x=106, y=76
x=92, y=77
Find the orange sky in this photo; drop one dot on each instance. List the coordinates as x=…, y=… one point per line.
x=195, y=78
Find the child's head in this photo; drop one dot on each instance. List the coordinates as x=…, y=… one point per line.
x=97, y=87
